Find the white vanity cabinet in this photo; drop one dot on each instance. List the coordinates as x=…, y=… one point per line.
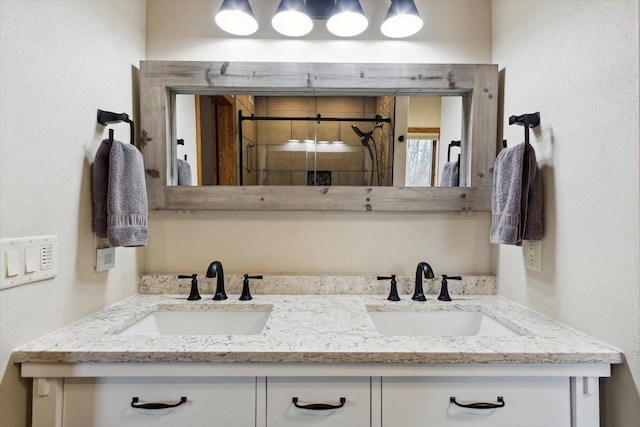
x=261, y=395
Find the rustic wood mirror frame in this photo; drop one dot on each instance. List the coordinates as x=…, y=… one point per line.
x=478, y=84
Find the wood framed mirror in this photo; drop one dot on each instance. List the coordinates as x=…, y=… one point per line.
x=162, y=81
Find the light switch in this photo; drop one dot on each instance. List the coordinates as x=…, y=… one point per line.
x=13, y=263
x=30, y=260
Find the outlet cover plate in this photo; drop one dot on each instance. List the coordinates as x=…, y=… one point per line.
x=532, y=252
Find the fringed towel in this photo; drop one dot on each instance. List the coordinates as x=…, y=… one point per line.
x=517, y=197
x=184, y=172
x=450, y=175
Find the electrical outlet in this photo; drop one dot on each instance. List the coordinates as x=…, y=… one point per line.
x=532, y=251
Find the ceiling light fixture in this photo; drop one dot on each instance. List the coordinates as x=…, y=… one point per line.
x=345, y=18
x=403, y=20
x=348, y=19
x=236, y=17
x=291, y=19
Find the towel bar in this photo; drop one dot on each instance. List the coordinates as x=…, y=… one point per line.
x=108, y=117
x=529, y=121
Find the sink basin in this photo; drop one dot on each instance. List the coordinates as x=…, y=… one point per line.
x=432, y=322
x=201, y=322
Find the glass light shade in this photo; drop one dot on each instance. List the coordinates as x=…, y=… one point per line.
x=236, y=17
x=291, y=19
x=403, y=20
x=292, y=24
x=349, y=19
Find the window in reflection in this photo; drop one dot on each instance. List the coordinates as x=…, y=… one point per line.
x=420, y=162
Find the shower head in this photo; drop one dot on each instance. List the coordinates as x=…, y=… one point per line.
x=357, y=131
x=366, y=136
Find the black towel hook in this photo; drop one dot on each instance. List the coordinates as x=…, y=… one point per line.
x=529, y=121
x=108, y=117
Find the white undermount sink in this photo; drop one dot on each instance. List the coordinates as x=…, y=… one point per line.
x=226, y=321
x=436, y=323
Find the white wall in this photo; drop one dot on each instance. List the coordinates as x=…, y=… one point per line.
x=577, y=63
x=60, y=61
x=298, y=242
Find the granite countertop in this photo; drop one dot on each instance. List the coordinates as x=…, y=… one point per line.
x=316, y=329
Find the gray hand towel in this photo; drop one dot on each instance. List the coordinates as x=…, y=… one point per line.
x=517, y=197
x=127, y=207
x=450, y=175
x=184, y=172
x=101, y=188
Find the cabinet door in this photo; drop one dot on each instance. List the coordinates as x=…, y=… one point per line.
x=211, y=402
x=425, y=402
x=282, y=412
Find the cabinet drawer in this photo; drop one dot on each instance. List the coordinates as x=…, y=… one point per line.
x=106, y=402
x=529, y=401
x=282, y=412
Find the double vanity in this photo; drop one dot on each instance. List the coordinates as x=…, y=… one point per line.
x=343, y=355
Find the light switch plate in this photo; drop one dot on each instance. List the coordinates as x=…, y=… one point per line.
x=28, y=259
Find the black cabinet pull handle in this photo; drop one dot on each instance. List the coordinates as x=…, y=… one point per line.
x=319, y=406
x=156, y=405
x=479, y=405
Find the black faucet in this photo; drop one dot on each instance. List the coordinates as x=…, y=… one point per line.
x=423, y=269
x=215, y=270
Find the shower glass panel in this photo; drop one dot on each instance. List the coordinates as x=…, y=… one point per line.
x=328, y=153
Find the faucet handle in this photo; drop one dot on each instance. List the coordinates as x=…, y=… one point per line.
x=246, y=294
x=194, y=295
x=444, y=288
x=393, y=292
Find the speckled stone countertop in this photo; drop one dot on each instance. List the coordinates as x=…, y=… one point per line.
x=316, y=329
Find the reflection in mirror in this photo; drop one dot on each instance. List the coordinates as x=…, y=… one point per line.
x=355, y=142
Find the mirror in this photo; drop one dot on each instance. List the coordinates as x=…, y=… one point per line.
x=317, y=141
x=409, y=158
